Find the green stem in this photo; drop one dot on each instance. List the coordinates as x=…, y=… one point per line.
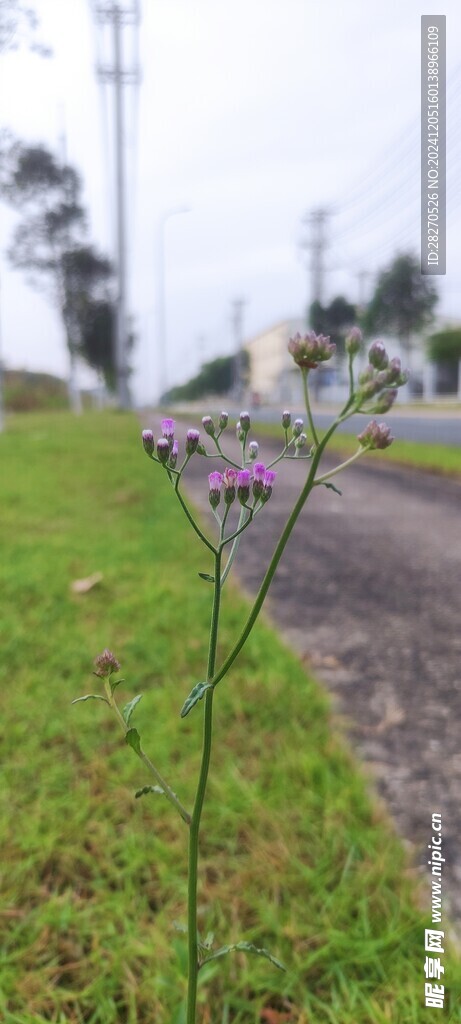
x=192, y=520
x=198, y=805
x=308, y=408
x=338, y=469
x=144, y=758
x=275, y=558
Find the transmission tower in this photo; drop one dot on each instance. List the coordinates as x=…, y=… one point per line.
x=316, y=244
x=117, y=16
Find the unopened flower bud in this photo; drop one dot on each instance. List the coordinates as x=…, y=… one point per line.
x=378, y=356
x=148, y=441
x=223, y=420
x=163, y=450
x=229, y=479
x=243, y=486
x=105, y=664
x=310, y=350
x=173, y=455
x=354, y=341
x=269, y=478
x=297, y=427
x=245, y=421
x=215, y=481
x=375, y=436
x=300, y=441
x=259, y=472
x=385, y=401
x=192, y=440
x=208, y=426
x=286, y=419
x=253, y=449
x=241, y=433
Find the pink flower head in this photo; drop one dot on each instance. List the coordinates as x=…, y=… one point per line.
x=174, y=455
x=259, y=472
x=243, y=486
x=269, y=478
x=148, y=441
x=311, y=349
x=229, y=479
x=192, y=440
x=163, y=450
x=375, y=435
x=354, y=341
x=208, y=425
x=168, y=428
x=215, y=481
x=105, y=664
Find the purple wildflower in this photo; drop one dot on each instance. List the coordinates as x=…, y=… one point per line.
x=106, y=663
x=375, y=436
x=378, y=356
x=173, y=455
x=192, y=440
x=310, y=350
x=215, y=481
x=259, y=471
x=286, y=419
x=148, y=441
x=168, y=428
x=354, y=341
x=163, y=450
x=245, y=421
x=297, y=427
x=229, y=479
x=269, y=478
x=208, y=425
x=243, y=486
x=223, y=420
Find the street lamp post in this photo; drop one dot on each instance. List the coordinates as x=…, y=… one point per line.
x=161, y=299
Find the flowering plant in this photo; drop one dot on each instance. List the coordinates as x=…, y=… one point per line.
x=246, y=485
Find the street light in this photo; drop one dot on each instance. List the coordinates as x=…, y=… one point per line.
x=161, y=298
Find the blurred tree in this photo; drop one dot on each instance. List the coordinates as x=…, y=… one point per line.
x=49, y=244
x=215, y=378
x=18, y=23
x=403, y=301
x=444, y=348
x=333, y=320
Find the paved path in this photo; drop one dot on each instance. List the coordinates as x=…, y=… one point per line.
x=369, y=594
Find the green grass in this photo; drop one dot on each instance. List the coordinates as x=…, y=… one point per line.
x=434, y=458
x=294, y=854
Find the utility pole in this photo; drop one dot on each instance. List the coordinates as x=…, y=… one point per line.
x=237, y=325
x=317, y=244
x=361, y=276
x=118, y=16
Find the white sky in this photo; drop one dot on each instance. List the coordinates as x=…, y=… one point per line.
x=250, y=113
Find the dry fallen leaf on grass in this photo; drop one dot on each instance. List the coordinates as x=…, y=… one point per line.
x=83, y=586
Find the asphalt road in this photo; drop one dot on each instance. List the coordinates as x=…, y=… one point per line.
x=368, y=593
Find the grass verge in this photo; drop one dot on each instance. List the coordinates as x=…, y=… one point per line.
x=294, y=855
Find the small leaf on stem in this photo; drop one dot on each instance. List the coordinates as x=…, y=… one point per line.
x=333, y=488
x=206, y=576
x=244, y=947
x=195, y=695
x=133, y=739
x=148, y=789
x=129, y=708
x=90, y=696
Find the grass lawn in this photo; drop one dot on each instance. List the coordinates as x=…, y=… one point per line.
x=294, y=856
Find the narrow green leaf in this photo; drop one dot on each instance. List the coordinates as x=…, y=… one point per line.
x=207, y=942
x=244, y=947
x=148, y=789
x=129, y=708
x=90, y=696
x=206, y=576
x=133, y=739
x=195, y=695
x=113, y=683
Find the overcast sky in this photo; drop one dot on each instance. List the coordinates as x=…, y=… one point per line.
x=250, y=114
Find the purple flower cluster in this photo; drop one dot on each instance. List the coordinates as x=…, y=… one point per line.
x=379, y=376
x=105, y=664
x=375, y=435
x=167, y=447
x=238, y=483
x=311, y=349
